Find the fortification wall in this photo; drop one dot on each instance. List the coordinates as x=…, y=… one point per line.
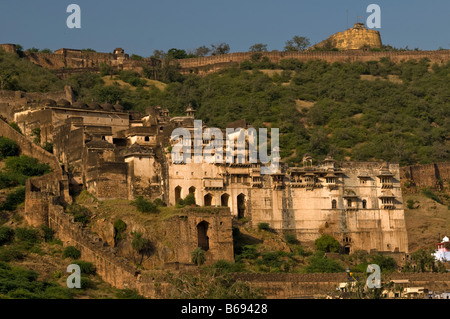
x=441, y=56
x=283, y=286
x=29, y=148
x=435, y=175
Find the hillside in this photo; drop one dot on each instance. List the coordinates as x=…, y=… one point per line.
x=376, y=110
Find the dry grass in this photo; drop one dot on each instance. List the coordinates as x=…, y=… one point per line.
x=427, y=223
x=110, y=81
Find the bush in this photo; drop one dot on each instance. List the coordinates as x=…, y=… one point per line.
x=410, y=204
x=119, y=227
x=428, y=193
x=6, y=235
x=14, y=199
x=291, y=239
x=27, y=166
x=327, y=244
x=159, y=202
x=145, y=206
x=189, y=199
x=16, y=127
x=128, y=294
x=71, y=252
x=28, y=235
x=47, y=233
x=10, y=253
x=198, y=256
x=8, y=147
x=86, y=267
x=264, y=226
x=80, y=213
x=319, y=263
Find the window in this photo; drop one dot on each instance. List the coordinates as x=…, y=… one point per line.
x=147, y=139
x=333, y=204
x=364, y=204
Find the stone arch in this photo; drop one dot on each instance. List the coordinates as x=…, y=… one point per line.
x=177, y=193
x=192, y=190
x=224, y=199
x=364, y=204
x=333, y=204
x=207, y=200
x=147, y=139
x=241, y=205
x=202, y=235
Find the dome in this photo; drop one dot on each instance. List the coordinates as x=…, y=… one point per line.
x=63, y=103
x=94, y=106
x=107, y=107
x=79, y=104
x=118, y=107
x=49, y=102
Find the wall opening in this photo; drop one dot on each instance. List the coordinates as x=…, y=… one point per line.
x=333, y=204
x=202, y=235
x=224, y=200
x=177, y=193
x=208, y=200
x=241, y=205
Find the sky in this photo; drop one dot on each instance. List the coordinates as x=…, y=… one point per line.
x=142, y=26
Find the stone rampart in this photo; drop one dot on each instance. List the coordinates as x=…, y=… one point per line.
x=435, y=175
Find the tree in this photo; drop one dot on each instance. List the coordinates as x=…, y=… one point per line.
x=327, y=244
x=198, y=256
x=142, y=246
x=159, y=54
x=202, y=51
x=258, y=47
x=221, y=48
x=297, y=43
x=177, y=54
x=8, y=147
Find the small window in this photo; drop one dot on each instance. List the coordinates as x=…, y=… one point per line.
x=333, y=204
x=147, y=139
x=364, y=204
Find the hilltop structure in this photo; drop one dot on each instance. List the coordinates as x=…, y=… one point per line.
x=358, y=37
x=118, y=154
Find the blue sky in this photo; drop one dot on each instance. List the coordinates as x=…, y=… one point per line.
x=141, y=26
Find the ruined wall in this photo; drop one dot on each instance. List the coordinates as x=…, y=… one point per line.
x=29, y=148
x=435, y=175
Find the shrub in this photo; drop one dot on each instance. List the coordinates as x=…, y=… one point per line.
x=428, y=193
x=248, y=252
x=26, y=166
x=86, y=267
x=128, y=294
x=8, y=147
x=80, y=213
x=410, y=204
x=6, y=235
x=264, y=226
x=327, y=244
x=86, y=283
x=189, y=199
x=47, y=233
x=145, y=206
x=16, y=127
x=14, y=199
x=321, y=264
x=119, y=227
x=10, y=253
x=198, y=256
x=71, y=252
x=291, y=239
x=28, y=235
x=159, y=202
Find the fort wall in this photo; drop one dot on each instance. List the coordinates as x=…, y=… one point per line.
x=435, y=175
x=213, y=63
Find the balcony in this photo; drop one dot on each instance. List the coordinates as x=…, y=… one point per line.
x=213, y=183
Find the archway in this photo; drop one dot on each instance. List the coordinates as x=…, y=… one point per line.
x=177, y=193
x=208, y=200
x=192, y=190
x=224, y=200
x=202, y=235
x=241, y=205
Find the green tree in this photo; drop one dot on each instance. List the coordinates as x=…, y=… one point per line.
x=327, y=244
x=258, y=47
x=221, y=48
x=198, y=256
x=142, y=246
x=8, y=147
x=297, y=43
